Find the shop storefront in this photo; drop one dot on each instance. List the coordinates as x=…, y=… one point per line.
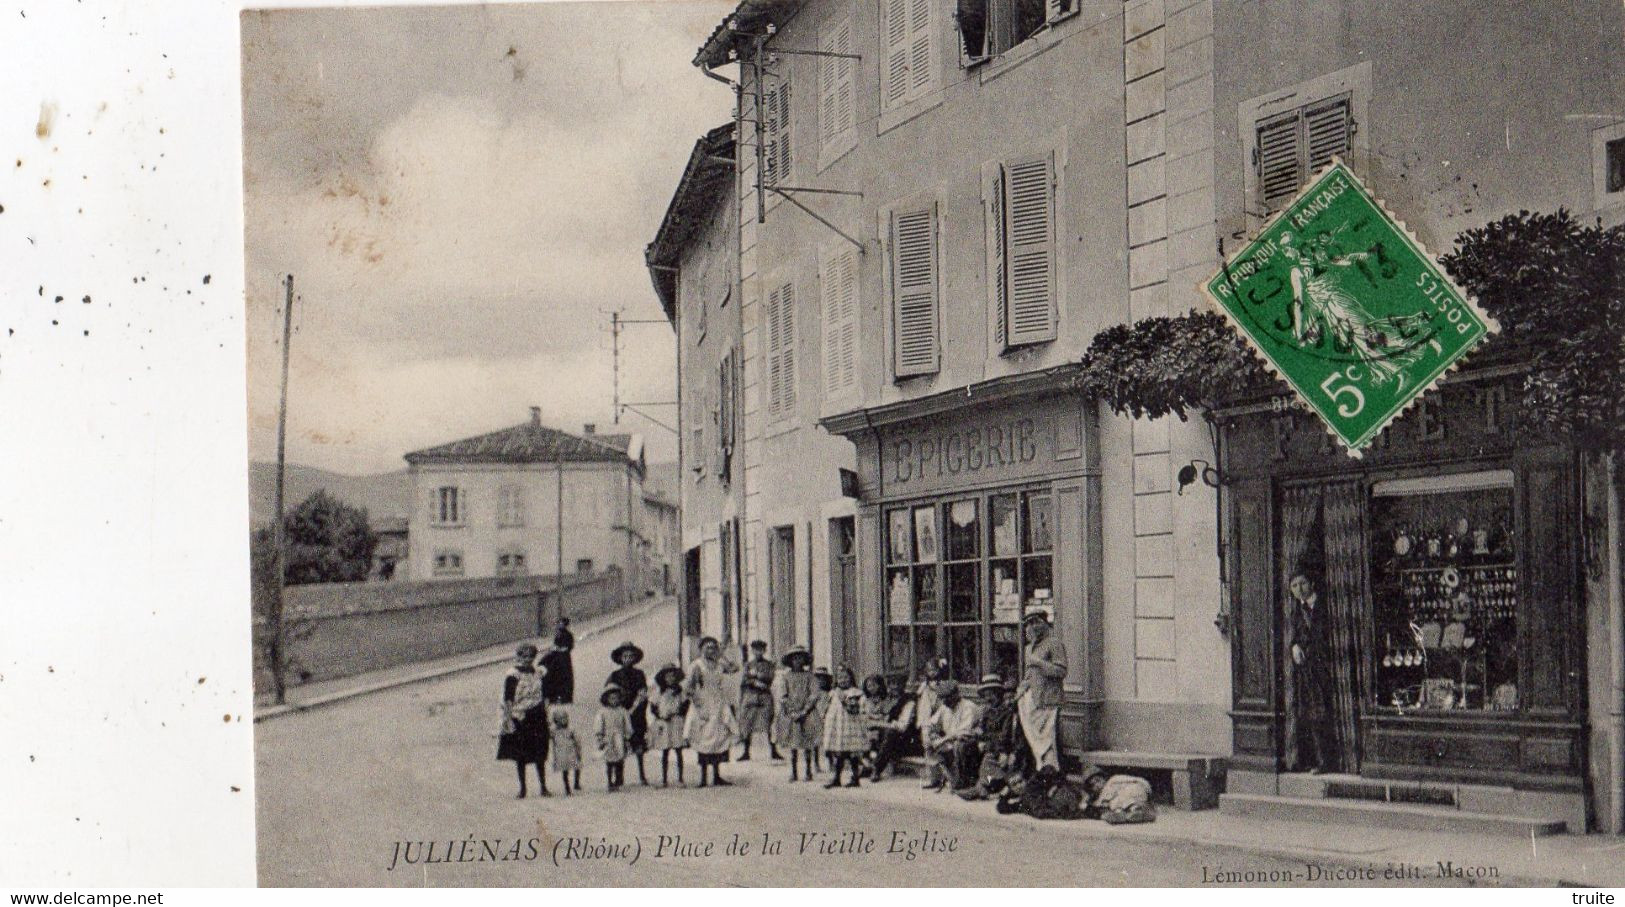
x=1446, y=565
x=974, y=509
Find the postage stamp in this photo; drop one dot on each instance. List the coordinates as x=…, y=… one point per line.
x=1346, y=306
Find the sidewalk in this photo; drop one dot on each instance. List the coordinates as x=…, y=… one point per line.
x=1558, y=860
x=314, y=695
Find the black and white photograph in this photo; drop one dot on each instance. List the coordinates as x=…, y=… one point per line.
x=879, y=443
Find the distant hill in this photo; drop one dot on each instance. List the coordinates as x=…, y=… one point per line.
x=383, y=496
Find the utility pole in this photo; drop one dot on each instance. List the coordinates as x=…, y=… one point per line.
x=616, y=325
x=558, y=545
x=615, y=354
x=278, y=533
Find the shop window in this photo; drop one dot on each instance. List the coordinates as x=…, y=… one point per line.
x=988, y=28
x=959, y=575
x=1445, y=593
x=448, y=563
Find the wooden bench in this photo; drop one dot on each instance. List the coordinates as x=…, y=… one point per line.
x=1195, y=780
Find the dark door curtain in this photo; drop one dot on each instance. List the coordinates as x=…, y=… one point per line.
x=1325, y=525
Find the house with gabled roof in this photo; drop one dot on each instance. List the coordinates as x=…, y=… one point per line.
x=531, y=499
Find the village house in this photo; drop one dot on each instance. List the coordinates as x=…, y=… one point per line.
x=491, y=505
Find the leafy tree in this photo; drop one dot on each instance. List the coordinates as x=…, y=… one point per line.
x=1556, y=287
x=1558, y=290
x=1160, y=365
x=328, y=541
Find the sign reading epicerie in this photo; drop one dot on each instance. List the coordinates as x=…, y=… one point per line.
x=972, y=449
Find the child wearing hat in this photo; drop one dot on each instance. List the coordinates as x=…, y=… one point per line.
x=845, y=737
x=566, y=750
x=756, y=701
x=669, y=709
x=613, y=730
x=797, y=702
x=634, y=686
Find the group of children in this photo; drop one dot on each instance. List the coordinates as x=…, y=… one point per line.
x=974, y=747
x=536, y=729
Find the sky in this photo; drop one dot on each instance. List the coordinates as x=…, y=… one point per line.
x=463, y=195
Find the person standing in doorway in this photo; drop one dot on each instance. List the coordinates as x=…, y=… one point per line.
x=1038, y=698
x=756, y=700
x=1311, y=652
x=634, y=686
x=711, y=725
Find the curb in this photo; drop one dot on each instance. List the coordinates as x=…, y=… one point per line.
x=1280, y=851
x=277, y=711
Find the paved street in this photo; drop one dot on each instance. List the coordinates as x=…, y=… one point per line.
x=339, y=786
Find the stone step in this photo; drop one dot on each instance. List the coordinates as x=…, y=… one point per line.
x=1406, y=816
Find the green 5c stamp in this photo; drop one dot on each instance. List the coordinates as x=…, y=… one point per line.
x=1347, y=307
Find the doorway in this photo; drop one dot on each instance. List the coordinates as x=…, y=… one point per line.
x=781, y=566
x=843, y=595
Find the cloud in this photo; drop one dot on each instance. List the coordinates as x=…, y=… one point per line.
x=458, y=239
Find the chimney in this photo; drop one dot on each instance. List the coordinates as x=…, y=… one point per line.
x=589, y=428
x=536, y=415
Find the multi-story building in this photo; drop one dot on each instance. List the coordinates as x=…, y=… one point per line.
x=939, y=205
x=932, y=219
x=491, y=505
x=694, y=264
x=1522, y=714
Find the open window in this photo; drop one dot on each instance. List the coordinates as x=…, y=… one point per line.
x=988, y=28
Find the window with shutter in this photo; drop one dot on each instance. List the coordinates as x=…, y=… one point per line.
x=776, y=133
x=836, y=85
x=896, y=56
x=781, y=342
x=1029, y=200
x=1294, y=144
x=910, y=51
x=1326, y=132
x=914, y=291
x=1280, y=158
x=838, y=287
x=995, y=269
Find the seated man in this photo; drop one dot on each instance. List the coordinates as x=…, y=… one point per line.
x=951, y=735
x=1119, y=799
x=996, y=733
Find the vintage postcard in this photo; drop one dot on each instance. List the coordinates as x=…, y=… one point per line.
x=793, y=443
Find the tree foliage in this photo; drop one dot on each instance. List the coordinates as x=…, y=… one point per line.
x=1556, y=287
x=328, y=541
x=1160, y=365
x=1558, y=290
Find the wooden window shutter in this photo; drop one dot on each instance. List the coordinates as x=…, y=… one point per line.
x=845, y=80
x=897, y=51
x=769, y=115
x=1327, y=132
x=774, y=327
x=782, y=133
x=838, y=291
x=787, y=350
x=921, y=46
x=1029, y=200
x=1280, y=159
x=998, y=288
x=914, y=291
x=827, y=128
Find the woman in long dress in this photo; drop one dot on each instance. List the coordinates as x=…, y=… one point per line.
x=1320, y=304
x=711, y=726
